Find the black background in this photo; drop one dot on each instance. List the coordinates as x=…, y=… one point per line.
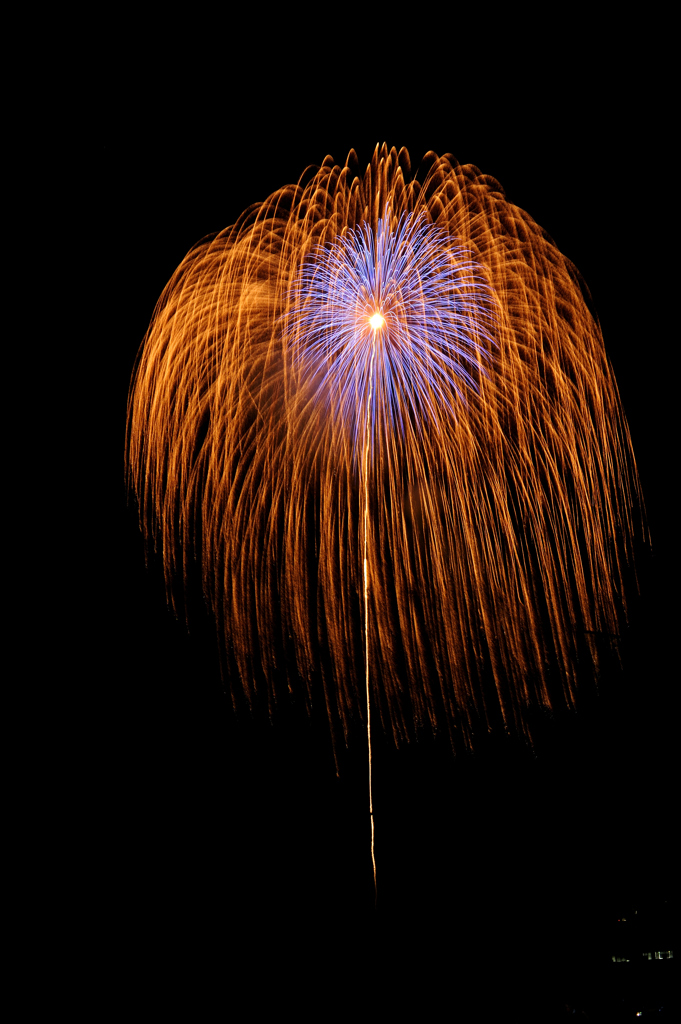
x=501, y=874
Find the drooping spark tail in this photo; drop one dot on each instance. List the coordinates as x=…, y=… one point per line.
x=461, y=478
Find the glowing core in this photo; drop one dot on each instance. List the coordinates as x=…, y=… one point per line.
x=376, y=321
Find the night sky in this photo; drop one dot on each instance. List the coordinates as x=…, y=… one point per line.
x=212, y=825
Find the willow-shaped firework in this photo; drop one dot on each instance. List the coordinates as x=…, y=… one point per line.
x=433, y=329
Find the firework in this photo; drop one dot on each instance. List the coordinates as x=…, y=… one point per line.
x=378, y=414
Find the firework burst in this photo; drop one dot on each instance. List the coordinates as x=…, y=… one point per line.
x=372, y=368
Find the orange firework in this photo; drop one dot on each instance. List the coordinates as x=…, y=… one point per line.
x=379, y=413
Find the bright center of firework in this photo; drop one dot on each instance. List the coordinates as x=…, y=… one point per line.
x=376, y=321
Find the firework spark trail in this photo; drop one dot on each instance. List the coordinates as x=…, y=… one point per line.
x=500, y=490
x=366, y=613
x=388, y=323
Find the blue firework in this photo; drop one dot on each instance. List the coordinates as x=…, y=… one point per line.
x=400, y=318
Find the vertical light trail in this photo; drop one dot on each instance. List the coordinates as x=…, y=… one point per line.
x=366, y=606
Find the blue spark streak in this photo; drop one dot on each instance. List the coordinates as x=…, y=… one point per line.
x=439, y=315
